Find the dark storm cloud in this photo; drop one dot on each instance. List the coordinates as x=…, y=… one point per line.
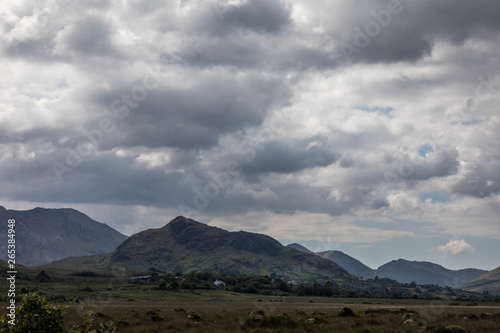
x=287, y=197
x=459, y=20
x=291, y=156
x=261, y=16
x=365, y=31
x=89, y=37
x=194, y=117
x=255, y=53
x=443, y=163
x=33, y=49
x=479, y=179
x=407, y=31
x=34, y=135
x=103, y=178
x=228, y=72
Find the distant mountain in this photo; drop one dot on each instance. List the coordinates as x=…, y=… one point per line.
x=423, y=272
x=184, y=245
x=350, y=264
x=489, y=281
x=300, y=248
x=45, y=235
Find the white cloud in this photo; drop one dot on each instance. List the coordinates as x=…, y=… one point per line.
x=456, y=247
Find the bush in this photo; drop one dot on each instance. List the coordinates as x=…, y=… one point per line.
x=35, y=315
x=43, y=277
x=251, y=290
x=347, y=312
x=89, y=324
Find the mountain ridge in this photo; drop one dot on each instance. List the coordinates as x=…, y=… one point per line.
x=185, y=245
x=424, y=272
x=489, y=282
x=352, y=265
x=300, y=248
x=48, y=234
x=402, y=270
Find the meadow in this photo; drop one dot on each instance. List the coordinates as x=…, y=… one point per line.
x=226, y=312
x=160, y=304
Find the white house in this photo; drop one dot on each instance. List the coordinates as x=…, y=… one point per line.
x=219, y=283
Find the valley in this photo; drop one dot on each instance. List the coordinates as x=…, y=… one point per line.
x=149, y=301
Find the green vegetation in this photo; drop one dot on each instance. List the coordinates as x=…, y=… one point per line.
x=34, y=315
x=188, y=246
x=66, y=286
x=252, y=314
x=489, y=282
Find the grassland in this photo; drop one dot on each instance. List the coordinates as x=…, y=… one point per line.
x=136, y=305
x=216, y=312
x=489, y=281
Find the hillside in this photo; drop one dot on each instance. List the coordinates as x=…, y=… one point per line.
x=45, y=235
x=184, y=245
x=350, y=264
x=489, y=281
x=423, y=272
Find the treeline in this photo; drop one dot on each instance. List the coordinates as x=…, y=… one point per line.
x=265, y=285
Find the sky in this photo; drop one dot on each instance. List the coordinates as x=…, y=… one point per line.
x=369, y=127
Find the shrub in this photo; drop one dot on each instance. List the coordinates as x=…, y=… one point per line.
x=89, y=324
x=347, y=312
x=156, y=318
x=251, y=290
x=43, y=277
x=35, y=315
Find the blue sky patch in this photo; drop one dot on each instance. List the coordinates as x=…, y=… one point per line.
x=435, y=196
x=386, y=111
x=472, y=122
x=425, y=149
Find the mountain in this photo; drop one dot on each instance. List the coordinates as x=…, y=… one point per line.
x=184, y=245
x=489, y=281
x=423, y=272
x=300, y=248
x=350, y=264
x=44, y=235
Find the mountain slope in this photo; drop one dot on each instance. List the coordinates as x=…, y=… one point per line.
x=350, y=264
x=489, y=281
x=423, y=272
x=45, y=235
x=300, y=248
x=184, y=245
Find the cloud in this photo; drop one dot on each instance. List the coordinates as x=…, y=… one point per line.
x=455, y=247
x=261, y=16
x=289, y=156
x=227, y=71
x=197, y=114
x=89, y=36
